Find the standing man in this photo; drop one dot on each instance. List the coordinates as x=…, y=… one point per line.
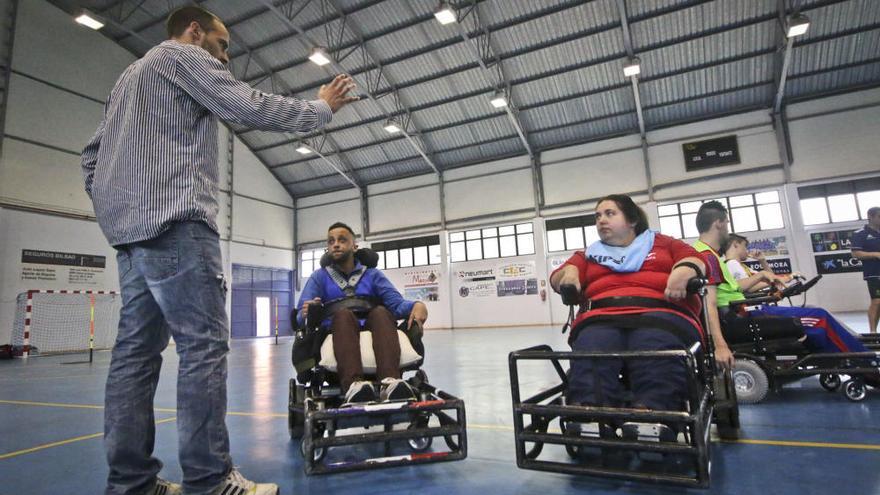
x=151, y=171
x=866, y=247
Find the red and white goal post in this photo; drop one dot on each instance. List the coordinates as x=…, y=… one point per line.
x=65, y=321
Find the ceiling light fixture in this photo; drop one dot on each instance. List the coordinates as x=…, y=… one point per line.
x=90, y=20
x=319, y=56
x=304, y=150
x=632, y=67
x=391, y=126
x=444, y=14
x=797, y=25
x=499, y=100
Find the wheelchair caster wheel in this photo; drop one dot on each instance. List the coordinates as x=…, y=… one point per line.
x=570, y=430
x=855, y=390
x=420, y=444
x=317, y=454
x=829, y=382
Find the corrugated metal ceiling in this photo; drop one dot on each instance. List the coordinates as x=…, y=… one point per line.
x=561, y=59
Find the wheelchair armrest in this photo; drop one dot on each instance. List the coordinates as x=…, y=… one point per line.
x=752, y=301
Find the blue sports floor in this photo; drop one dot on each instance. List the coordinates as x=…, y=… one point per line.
x=802, y=441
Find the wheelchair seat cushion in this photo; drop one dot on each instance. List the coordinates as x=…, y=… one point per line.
x=408, y=355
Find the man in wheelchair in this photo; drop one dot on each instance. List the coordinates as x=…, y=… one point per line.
x=818, y=329
x=824, y=333
x=634, y=282
x=345, y=276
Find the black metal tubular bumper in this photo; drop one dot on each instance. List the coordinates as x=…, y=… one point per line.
x=549, y=405
x=322, y=424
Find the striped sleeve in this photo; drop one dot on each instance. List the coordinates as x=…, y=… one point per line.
x=90, y=158
x=211, y=84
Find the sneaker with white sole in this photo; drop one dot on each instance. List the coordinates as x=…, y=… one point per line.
x=360, y=392
x=163, y=487
x=395, y=389
x=236, y=484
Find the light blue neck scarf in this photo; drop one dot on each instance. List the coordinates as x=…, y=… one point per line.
x=626, y=259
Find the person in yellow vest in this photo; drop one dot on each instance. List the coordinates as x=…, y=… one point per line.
x=824, y=333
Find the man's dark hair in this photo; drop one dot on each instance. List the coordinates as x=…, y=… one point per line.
x=731, y=239
x=340, y=225
x=630, y=209
x=874, y=210
x=181, y=18
x=709, y=213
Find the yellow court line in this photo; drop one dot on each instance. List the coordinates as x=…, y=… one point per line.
x=778, y=443
x=789, y=443
x=157, y=409
x=64, y=442
x=50, y=404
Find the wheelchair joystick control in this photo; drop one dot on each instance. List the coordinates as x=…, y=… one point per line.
x=570, y=295
x=696, y=284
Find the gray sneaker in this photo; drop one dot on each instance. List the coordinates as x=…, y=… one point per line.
x=236, y=484
x=360, y=392
x=395, y=389
x=163, y=487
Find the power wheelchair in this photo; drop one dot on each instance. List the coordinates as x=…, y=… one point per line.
x=770, y=351
x=588, y=433
x=318, y=417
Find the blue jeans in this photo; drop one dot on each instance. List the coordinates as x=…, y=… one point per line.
x=171, y=285
x=656, y=383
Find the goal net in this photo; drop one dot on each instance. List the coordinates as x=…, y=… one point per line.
x=51, y=322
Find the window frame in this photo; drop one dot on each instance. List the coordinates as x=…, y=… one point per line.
x=399, y=246
x=725, y=200
x=493, y=235
x=824, y=191
x=577, y=225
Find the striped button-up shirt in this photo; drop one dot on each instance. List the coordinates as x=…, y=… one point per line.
x=153, y=159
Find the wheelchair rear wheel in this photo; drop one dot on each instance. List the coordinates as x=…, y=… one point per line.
x=296, y=420
x=726, y=407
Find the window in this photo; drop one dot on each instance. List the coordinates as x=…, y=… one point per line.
x=846, y=201
x=568, y=234
x=494, y=242
x=405, y=253
x=747, y=213
x=309, y=261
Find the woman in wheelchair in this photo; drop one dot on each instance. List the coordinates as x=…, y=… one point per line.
x=635, y=283
x=346, y=276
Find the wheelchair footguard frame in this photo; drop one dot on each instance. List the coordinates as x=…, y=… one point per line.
x=548, y=405
x=449, y=410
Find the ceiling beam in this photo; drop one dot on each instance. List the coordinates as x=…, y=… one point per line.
x=369, y=85
x=589, y=32
x=317, y=145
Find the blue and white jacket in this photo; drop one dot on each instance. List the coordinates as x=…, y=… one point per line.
x=372, y=283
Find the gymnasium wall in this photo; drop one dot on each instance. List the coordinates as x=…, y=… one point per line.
x=832, y=138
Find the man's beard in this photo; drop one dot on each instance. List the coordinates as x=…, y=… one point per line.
x=346, y=256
